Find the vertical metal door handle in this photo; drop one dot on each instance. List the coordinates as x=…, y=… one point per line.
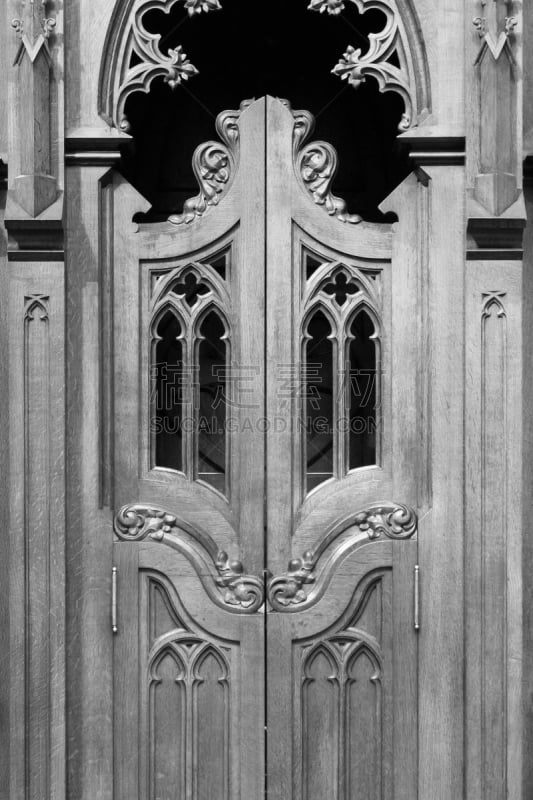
x=417, y=598
x=114, y=600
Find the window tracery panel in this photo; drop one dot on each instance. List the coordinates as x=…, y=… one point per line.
x=190, y=358
x=341, y=369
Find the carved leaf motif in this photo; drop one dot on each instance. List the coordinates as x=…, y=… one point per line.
x=395, y=522
x=287, y=589
x=331, y=6
x=214, y=166
x=392, y=520
x=197, y=6
x=318, y=166
x=137, y=522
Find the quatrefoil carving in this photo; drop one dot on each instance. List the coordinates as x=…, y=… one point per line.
x=341, y=288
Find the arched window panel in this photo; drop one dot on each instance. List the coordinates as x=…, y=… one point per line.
x=319, y=400
x=363, y=389
x=212, y=401
x=167, y=400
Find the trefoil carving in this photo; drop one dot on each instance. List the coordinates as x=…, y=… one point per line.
x=214, y=164
x=138, y=522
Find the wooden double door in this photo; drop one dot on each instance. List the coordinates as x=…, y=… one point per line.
x=265, y=595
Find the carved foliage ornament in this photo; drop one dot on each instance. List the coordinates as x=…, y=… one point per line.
x=316, y=166
x=137, y=522
x=245, y=593
x=143, y=60
x=387, y=57
x=214, y=166
x=393, y=521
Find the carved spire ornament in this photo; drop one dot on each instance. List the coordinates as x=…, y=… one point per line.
x=386, y=49
x=494, y=147
x=34, y=187
x=492, y=40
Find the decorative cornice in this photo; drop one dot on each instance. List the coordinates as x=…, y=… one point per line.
x=214, y=165
x=236, y=590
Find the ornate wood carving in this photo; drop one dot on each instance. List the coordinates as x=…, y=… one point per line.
x=34, y=187
x=228, y=585
x=391, y=520
x=390, y=43
x=214, y=165
x=134, y=58
x=316, y=166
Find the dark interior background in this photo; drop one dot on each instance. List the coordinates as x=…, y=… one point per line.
x=249, y=49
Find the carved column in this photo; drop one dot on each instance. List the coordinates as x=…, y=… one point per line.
x=493, y=402
x=33, y=325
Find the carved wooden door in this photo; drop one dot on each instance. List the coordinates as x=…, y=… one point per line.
x=256, y=416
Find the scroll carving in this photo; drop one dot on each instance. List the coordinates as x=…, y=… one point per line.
x=214, y=165
x=385, y=49
x=316, y=166
x=234, y=587
x=394, y=521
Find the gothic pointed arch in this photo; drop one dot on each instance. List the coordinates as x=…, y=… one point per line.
x=134, y=55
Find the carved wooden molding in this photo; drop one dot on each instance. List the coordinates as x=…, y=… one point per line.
x=387, y=48
x=391, y=520
x=133, y=57
x=214, y=164
x=231, y=588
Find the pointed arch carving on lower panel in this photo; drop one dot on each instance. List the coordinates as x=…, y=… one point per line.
x=344, y=738
x=188, y=678
x=223, y=578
